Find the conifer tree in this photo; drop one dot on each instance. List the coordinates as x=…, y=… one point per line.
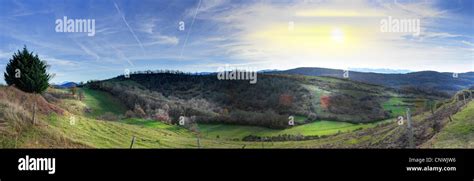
x=28, y=73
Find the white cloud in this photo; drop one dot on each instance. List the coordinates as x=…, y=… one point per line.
x=128, y=26
x=207, y=7
x=257, y=33
x=106, y=31
x=5, y=55
x=467, y=43
x=148, y=25
x=59, y=62
x=439, y=35
x=87, y=50
x=162, y=39
x=422, y=9
x=121, y=55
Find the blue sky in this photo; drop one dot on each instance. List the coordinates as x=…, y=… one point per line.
x=142, y=35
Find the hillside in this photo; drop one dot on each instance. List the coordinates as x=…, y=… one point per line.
x=16, y=127
x=75, y=127
x=269, y=103
x=67, y=122
x=72, y=127
x=456, y=134
x=425, y=80
x=427, y=129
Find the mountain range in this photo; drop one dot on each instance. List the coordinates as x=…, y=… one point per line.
x=432, y=80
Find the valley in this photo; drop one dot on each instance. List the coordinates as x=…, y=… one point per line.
x=100, y=118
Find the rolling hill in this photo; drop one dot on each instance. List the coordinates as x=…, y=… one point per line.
x=65, y=85
x=269, y=103
x=328, y=112
x=66, y=123
x=426, y=80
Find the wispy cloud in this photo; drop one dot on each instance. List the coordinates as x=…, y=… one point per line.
x=60, y=62
x=122, y=55
x=148, y=25
x=440, y=35
x=259, y=32
x=145, y=35
x=31, y=13
x=467, y=43
x=162, y=39
x=421, y=8
x=5, y=55
x=87, y=50
x=128, y=26
x=190, y=28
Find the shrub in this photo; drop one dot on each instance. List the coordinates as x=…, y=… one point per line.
x=50, y=98
x=162, y=115
x=139, y=111
x=129, y=114
x=108, y=116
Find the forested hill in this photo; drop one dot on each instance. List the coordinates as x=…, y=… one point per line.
x=427, y=80
x=269, y=102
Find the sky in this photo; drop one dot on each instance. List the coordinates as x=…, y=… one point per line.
x=262, y=34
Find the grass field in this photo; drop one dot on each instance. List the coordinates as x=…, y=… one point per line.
x=232, y=132
x=396, y=105
x=153, y=134
x=318, y=128
x=107, y=134
x=101, y=102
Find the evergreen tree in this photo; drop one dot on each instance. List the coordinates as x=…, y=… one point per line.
x=28, y=73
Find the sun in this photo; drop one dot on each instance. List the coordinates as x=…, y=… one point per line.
x=337, y=35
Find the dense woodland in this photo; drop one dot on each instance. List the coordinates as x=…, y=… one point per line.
x=166, y=96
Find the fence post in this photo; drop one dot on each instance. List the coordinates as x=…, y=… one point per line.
x=133, y=141
x=198, y=142
x=410, y=130
x=464, y=97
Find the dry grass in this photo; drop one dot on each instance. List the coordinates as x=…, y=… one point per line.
x=27, y=100
x=16, y=128
x=14, y=120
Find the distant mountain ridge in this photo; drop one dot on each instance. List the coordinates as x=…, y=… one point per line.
x=440, y=81
x=65, y=85
x=381, y=71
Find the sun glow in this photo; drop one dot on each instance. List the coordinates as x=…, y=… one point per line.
x=308, y=39
x=337, y=35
